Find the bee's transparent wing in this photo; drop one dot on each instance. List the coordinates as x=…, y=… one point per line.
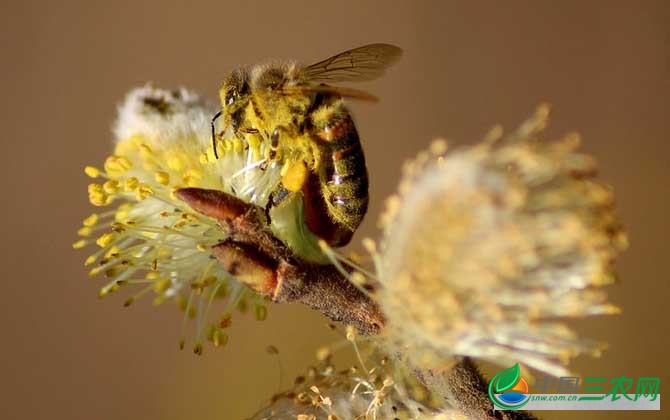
x=363, y=63
x=335, y=90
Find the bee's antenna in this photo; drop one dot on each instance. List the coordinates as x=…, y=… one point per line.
x=216, y=116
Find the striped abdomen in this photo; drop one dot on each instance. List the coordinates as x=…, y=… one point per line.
x=336, y=197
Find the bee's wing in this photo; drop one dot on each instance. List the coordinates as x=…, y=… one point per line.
x=363, y=63
x=336, y=90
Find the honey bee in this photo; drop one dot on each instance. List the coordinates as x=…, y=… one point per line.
x=302, y=117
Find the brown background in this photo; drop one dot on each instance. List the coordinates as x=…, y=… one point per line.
x=468, y=65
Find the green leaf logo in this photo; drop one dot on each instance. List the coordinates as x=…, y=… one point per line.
x=507, y=378
x=503, y=381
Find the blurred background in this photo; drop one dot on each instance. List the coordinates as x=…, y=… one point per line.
x=604, y=65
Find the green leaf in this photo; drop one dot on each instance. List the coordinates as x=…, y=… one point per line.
x=507, y=378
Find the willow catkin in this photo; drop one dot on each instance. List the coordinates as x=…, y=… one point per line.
x=487, y=248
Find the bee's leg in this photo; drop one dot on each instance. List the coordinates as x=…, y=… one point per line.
x=275, y=142
x=216, y=116
x=277, y=196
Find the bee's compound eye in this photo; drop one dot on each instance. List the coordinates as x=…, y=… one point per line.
x=230, y=97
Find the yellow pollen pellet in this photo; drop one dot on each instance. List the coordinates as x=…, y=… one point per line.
x=162, y=177
x=131, y=184
x=92, y=171
x=111, y=186
x=79, y=244
x=105, y=240
x=91, y=220
x=295, y=176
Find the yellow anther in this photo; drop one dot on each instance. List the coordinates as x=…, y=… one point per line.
x=105, y=239
x=261, y=312
x=92, y=171
x=322, y=353
x=210, y=153
x=111, y=186
x=174, y=162
x=152, y=275
x=85, y=231
x=370, y=245
x=113, y=251
x=190, y=181
x=124, y=162
x=131, y=184
x=219, y=338
x=160, y=299
x=90, y=260
x=96, y=195
x=194, y=173
x=202, y=248
x=91, y=220
x=351, y=333
x=254, y=146
x=143, y=192
x=145, y=151
x=117, y=165
x=121, y=215
x=79, y=244
x=94, y=188
x=221, y=149
x=162, y=177
x=161, y=285
x=226, y=320
x=203, y=159
x=238, y=146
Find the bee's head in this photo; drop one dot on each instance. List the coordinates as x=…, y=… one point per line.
x=234, y=92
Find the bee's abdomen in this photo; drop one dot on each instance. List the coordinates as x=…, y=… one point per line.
x=346, y=180
x=342, y=175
